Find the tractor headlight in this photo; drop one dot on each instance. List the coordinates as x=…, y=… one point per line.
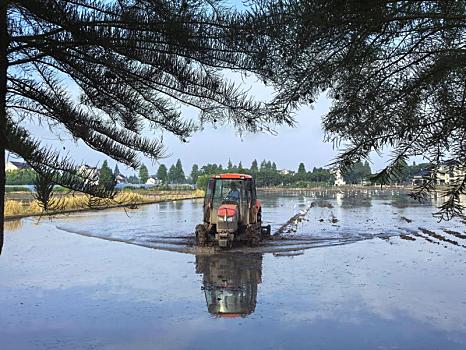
x=225, y=218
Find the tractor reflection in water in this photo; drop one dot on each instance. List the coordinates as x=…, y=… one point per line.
x=232, y=212
x=230, y=283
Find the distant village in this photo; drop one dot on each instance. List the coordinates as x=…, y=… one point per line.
x=267, y=174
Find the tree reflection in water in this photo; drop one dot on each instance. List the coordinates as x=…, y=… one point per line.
x=230, y=283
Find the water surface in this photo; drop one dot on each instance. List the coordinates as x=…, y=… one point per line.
x=378, y=290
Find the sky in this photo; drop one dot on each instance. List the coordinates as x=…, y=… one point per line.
x=287, y=147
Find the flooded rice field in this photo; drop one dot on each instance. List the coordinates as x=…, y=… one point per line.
x=384, y=275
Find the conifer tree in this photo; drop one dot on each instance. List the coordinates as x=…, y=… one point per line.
x=172, y=175
x=143, y=174
x=116, y=171
x=194, y=173
x=179, y=172
x=254, y=167
x=106, y=177
x=162, y=173
x=395, y=71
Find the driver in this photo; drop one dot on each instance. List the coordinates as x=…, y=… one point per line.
x=234, y=194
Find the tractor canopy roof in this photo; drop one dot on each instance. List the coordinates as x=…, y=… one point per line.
x=232, y=176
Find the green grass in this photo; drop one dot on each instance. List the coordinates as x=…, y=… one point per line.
x=16, y=189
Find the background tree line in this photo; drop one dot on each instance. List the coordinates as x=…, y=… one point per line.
x=266, y=174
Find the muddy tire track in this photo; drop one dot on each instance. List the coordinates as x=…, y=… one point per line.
x=292, y=224
x=431, y=236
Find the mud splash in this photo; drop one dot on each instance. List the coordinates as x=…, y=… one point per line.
x=298, y=221
x=284, y=242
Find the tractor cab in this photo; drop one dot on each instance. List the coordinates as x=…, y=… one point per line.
x=231, y=211
x=228, y=195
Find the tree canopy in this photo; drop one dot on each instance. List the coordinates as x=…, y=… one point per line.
x=143, y=173
x=395, y=71
x=162, y=173
x=194, y=173
x=107, y=177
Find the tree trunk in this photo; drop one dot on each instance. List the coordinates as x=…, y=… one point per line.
x=3, y=69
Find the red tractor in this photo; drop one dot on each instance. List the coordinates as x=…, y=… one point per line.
x=232, y=212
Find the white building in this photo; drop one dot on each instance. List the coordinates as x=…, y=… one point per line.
x=286, y=172
x=121, y=179
x=449, y=173
x=153, y=181
x=339, y=180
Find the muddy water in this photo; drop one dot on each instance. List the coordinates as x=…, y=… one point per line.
x=302, y=221
x=385, y=275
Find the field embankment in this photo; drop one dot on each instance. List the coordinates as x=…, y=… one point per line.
x=23, y=204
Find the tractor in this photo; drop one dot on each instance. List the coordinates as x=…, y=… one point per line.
x=232, y=212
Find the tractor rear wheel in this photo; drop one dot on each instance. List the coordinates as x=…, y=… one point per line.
x=201, y=235
x=254, y=236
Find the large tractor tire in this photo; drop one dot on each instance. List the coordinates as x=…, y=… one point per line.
x=201, y=235
x=254, y=236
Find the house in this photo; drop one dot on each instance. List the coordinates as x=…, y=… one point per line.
x=446, y=173
x=339, y=180
x=10, y=166
x=286, y=172
x=449, y=172
x=121, y=179
x=153, y=181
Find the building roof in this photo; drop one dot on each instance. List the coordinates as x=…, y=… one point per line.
x=232, y=176
x=422, y=173
x=20, y=165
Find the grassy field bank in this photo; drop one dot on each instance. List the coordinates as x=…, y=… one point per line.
x=22, y=204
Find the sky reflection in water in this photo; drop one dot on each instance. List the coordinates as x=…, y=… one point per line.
x=65, y=291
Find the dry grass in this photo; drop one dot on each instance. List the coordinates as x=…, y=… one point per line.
x=13, y=208
x=71, y=202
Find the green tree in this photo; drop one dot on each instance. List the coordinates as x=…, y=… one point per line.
x=240, y=167
x=172, y=174
x=254, y=166
x=357, y=173
x=179, y=177
x=116, y=171
x=229, y=165
x=143, y=174
x=301, y=169
x=106, y=177
x=202, y=180
x=162, y=173
x=263, y=166
x=194, y=173
x=20, y=177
